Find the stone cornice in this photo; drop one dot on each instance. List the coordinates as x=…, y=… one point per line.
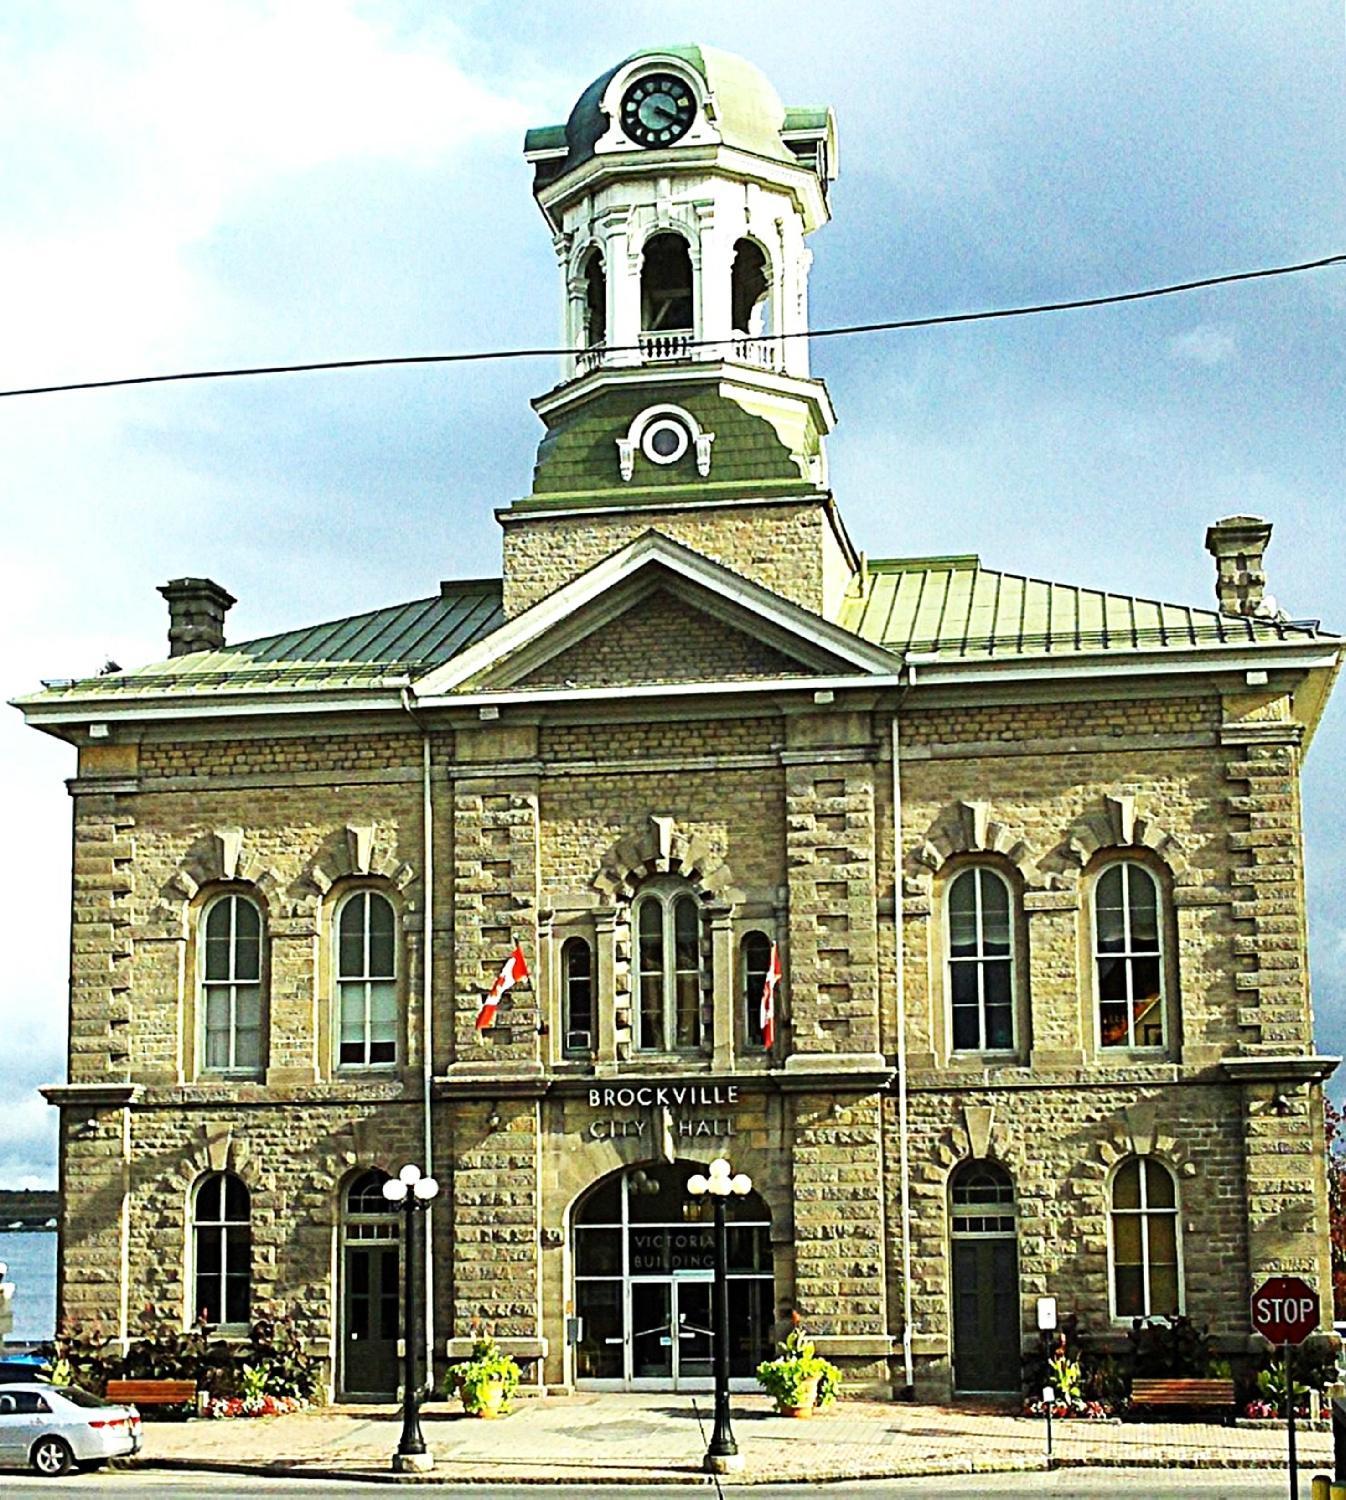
x=1291, y=1068
x=92, y=1095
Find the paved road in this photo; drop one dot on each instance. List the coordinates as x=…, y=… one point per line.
x=1059, y=1486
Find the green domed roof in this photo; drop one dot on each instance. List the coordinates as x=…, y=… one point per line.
x=748, y=111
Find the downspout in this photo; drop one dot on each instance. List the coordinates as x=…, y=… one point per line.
x=900, y=971
x=427, y=1014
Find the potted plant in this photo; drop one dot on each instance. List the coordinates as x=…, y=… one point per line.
x=485, y=1382
x=798, y=1379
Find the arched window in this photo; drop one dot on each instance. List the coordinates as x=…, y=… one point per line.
x=750, y=289
x=981, y=964
x=230, y=988
x=595, y=300
x=981, y=1200
x=666, y=285
x=1146, y=1280
x=754, y=960
x=367, y=980
x=222, y=1250
x=1128, y=957
x=668, y=948
x=577, y=986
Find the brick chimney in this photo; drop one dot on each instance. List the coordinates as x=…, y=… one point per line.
x=196, y=610
x=1238, y=545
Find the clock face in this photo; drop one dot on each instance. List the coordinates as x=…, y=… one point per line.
x=658, y=110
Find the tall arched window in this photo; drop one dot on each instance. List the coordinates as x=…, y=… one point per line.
x=222, y=1250
x=595, y=299
x=754, y=960
x=577, y=987
x=230, y=987
x=1146, y=1280
x=1128, y=957
x=981, y=963
x=668, y=949
x=367, y=980
x=750, y=289
x=666, y=285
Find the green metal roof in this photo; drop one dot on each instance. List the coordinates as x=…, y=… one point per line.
x=368, y=650
x=956, y=609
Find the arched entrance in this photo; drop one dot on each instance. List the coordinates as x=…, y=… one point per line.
x=985, y=1256
x=370, y=1255
x=643, y=1253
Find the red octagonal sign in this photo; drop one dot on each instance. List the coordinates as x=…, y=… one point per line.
x=1285, y=1309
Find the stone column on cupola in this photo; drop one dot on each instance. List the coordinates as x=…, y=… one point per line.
x=623, y=271
x=715, y=316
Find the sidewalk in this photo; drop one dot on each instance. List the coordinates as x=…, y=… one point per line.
x=660, y=1439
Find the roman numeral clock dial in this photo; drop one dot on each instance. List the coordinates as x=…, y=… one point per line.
x=657, y=110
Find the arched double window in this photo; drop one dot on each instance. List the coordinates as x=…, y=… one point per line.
x=667, y=924
x=1128, y=957
x=222, y=1250
x=229, y=990
x=754, y=960
x=980, y=961
x=1146, y=1272
x=577, y=996
x=366, y=973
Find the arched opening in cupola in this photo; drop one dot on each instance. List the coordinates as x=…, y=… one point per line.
x=666, y=285
x=750, y=290
x=595, y=329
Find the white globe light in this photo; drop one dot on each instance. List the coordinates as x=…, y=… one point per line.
x=720, y=1167
x=410, y=1173
x=697, y=1184
x=742, y=1183
x=394, y=1191
x=426, y=1189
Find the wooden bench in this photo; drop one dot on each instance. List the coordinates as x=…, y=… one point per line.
x=1178, y=1392
x=152, y=1392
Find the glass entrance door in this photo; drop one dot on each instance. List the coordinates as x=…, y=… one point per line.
x=672, y=1341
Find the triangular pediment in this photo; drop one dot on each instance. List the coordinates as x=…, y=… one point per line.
x=657, y=612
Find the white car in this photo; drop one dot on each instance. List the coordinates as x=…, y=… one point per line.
x=54, y=1428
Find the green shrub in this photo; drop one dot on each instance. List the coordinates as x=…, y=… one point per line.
x=788, y=1378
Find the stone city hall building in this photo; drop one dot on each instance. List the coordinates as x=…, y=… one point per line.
x=1031, y=856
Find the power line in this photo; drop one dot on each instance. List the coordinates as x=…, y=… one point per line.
x=846, y=331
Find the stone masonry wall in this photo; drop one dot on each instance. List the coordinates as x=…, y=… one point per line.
x=778, y=546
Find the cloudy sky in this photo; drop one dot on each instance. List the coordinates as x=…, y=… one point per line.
x=240, y=182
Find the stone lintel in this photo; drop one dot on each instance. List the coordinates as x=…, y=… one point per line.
x=461, y=1348
x=1294, y=1067
x=856, y=1345
x=473, y=1081
x=91, y=1095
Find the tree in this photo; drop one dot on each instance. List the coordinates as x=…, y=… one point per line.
x=1335, y=1120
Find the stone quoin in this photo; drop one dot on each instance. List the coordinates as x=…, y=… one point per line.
x=1029, y=856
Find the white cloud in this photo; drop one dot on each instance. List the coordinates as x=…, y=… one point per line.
x=1207, y=344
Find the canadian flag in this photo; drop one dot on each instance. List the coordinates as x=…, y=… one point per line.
x=767, y=1014
x=513, y=971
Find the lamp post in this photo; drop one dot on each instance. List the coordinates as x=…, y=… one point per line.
x=412, y=1193
x=722, y=1456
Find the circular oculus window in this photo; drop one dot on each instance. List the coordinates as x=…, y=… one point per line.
x=665, y=441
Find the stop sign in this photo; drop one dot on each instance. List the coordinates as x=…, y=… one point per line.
x=1285, y=1309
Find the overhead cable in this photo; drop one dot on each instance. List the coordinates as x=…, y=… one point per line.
x=846, y=331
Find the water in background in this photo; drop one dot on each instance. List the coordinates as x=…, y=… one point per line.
x=31, y=1256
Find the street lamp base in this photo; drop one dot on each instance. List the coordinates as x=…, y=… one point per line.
x=413, y=1463
x=724, y=1463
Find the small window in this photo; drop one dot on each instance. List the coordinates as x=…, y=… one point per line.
x=1128, y=958
x=981, y=965
x=1146, y=1280
x=754, y=961
x=222, y=1250
x=668, y=928
x=577, y=983
x=367, y=981
x=230, y=996
x=666, y=285
x=981, y=1201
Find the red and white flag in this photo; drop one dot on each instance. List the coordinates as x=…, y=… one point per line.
x=513, y=971
x=767, y=1014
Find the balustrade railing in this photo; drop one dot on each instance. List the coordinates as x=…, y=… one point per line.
x=680, y=344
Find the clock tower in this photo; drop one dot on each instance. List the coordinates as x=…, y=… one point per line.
x=680, y=194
